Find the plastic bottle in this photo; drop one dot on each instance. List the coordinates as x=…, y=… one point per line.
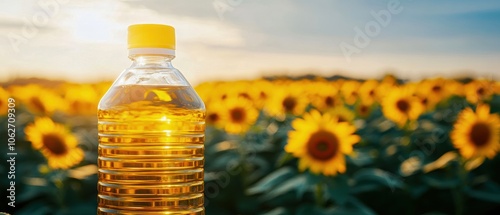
x=151, y=127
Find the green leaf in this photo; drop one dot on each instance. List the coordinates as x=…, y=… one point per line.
x=308, y=209
x=277, y=211
x=298, y=183
x=259, y=168
x=271, y=180
x=361, y=188
x=483, y=195
x=363, y=209
x=338, y=189
x=440, y=182
x=378, y=176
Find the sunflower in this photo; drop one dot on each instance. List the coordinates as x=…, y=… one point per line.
x=55, y=142
x=320, y=142
x=386, y=85
x=496, y=87
x=389, y=80
x=368, y=92
x=206, y=90
x=402, y=106
x=260, y=91
x=349, y=90
x=239, y=115
x=286, y=100
x=325, y=96
x=82, y=99
x=478, y=90
x=4, y=96
x=477, y=134
x=433, y=91
x=364, y=110
x=214, y=113
x=342, y=114
x=39, y=100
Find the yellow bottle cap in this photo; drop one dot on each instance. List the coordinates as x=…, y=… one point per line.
x=151, y=36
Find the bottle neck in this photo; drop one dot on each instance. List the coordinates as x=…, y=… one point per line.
x=146, y=60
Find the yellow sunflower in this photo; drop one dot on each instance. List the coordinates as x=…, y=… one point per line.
x=39, y=100
x=389, y=80
x=286, y=100
x=320, y=142
x=4, y=96
x=214, y=113
x=206, y=91
x=260, y=91
x=402, y=106
x=342, y=113
x=364, y=110
x=350, y=91
x=433, y=90
x=325, y=96
x=477, y=134
x=239, y=115
x=82, y=99
x=55, y=142
x=385, y=86
x=496, y=87
x=368, y=92
x=478, y=90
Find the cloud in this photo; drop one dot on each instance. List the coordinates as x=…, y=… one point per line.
x=86, y=40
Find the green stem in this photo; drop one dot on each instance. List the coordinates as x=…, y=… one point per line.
x=59, y=184
x=459, y=200
x=320, y=200
x=458, y=190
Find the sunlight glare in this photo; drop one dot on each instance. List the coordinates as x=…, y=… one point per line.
x=92, y=26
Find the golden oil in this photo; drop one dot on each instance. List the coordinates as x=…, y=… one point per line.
x=151, y=150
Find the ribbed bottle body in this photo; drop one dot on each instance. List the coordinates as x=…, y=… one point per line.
x=151, y=150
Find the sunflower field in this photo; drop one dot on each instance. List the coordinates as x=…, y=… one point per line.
x=279, y=146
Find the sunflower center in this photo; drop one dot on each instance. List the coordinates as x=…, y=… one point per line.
x=363, y=109
x=424, y=101
x=213, y=117
x=329, y=101
x=371, y=93
x=436, y=89
x=289, y=103
x=55, y=144
x=403, y=105
x=480, y=134
x=35, y=101
x=480, y=91
x=263, y=95
x=237, y=115
x=245, y=95
x=323, y=145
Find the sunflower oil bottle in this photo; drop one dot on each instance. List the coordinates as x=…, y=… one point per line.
x=151, y=127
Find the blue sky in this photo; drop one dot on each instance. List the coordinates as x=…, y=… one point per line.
x=238, y=39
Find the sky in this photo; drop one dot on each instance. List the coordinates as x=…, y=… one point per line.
x=85, y=40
